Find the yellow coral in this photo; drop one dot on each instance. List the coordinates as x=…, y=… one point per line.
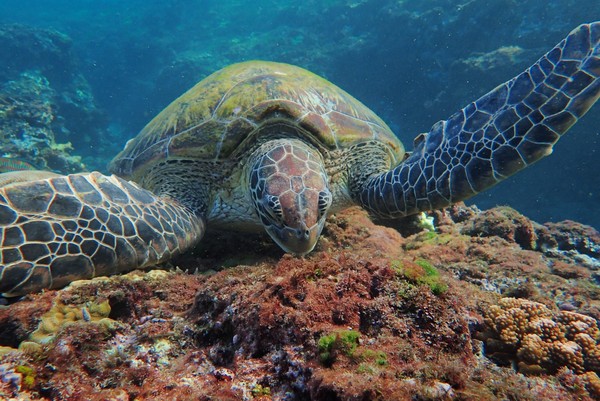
x=500, y=56
x=551, y=341
x=576, y=323
x=568, y=354
x=61, y=315
x=533, y=350
x=591, y=351
x=593, y=384
x=547, y=329
x=512, y=316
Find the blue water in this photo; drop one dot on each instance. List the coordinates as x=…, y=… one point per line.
x=413, y=62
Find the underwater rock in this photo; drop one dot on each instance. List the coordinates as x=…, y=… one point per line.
x=507, y=223
x=27, y=115
x=24, y=48
x=370, y=315
x=47, y=110
x=573, y=236
x=487, y=61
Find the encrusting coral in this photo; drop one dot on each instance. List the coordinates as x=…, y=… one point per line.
x=61, y=315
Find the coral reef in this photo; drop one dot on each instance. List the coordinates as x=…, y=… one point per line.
x=370, y=315
x=572, y=236
x=47, y=110
x=26, y=119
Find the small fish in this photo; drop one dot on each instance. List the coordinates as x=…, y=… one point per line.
x=85, y=314
x=16, y=177
x=10, y=164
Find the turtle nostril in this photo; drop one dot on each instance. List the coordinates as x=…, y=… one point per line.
x=302, y=234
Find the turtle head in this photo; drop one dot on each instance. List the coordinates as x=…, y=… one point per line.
x=290, y=192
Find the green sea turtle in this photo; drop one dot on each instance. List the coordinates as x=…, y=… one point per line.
x=268, y=146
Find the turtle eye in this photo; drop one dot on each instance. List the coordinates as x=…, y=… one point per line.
x=324, y=202
x=273, y=207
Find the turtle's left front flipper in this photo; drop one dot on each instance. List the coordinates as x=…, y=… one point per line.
x=64, y=228
x=492, y=138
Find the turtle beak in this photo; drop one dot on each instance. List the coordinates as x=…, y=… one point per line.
x=297, y=241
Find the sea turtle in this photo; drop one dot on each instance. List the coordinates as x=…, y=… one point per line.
x=262, y=145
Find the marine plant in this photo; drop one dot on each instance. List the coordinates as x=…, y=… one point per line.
x=344, y=341
x=28, y=376
x=379, y=357
x=421, y=272
x=259, y=390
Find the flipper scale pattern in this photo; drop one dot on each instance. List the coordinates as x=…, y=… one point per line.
x=503, y=132
x=66, y=228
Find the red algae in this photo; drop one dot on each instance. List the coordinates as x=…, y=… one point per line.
x=370, y=315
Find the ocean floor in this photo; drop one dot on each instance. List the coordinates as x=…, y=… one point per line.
x=489, y=306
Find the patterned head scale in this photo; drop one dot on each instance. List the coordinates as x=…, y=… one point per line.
x=291, y=195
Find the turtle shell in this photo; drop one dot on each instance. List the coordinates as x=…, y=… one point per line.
x=218, y=115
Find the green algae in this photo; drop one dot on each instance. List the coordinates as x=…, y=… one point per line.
x=378, y=357
x=421, y=273
x=325, y=348
x=345, y=341
x=433, y=238
x=260, y=391
x=28, y=376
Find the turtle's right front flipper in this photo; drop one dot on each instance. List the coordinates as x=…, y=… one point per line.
x=503, y=132
x=60, y=229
